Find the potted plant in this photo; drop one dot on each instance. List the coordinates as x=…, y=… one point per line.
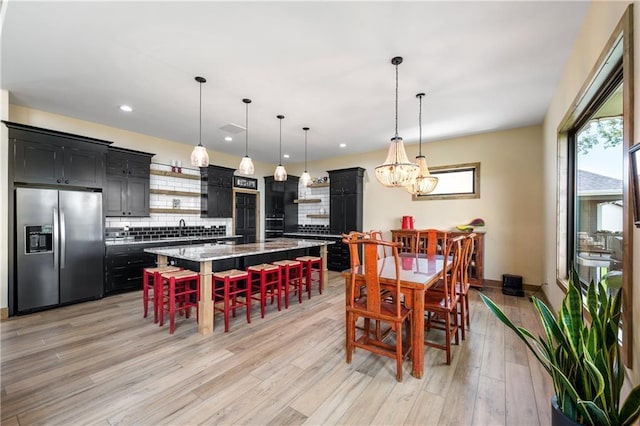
x=583, y=359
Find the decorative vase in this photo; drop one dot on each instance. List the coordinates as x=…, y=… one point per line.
x=558, y=418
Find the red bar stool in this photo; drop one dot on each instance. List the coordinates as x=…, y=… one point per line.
x=266, y=280
x=146, y=297
x=180, y=292
x=312, y=266
x=230, y=287
x=291, y=278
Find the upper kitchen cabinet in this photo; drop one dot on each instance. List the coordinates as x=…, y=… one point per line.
x=279, y=201
x=42, y=156
x=346, y=200
x=217, y=191
x=127, y=189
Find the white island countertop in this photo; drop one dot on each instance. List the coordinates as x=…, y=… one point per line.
x=210, y=252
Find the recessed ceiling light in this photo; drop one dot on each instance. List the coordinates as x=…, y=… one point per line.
x=126, y=108
x=343, y=145
x=286, y=156
x=228, y=138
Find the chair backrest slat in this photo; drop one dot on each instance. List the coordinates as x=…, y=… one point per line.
x=453, y=256
x=370, y=279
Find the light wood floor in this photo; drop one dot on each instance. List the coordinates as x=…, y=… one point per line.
x=102, y=363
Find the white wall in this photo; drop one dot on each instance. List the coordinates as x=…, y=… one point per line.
x=598, y=26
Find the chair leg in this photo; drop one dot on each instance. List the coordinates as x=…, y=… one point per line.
x=447, y=332
x=462, y=316
x=351, y=329
x=398, y=328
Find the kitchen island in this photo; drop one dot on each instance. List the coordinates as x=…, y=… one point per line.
x=216, y=257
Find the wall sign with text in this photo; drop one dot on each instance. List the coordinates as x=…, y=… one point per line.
x=245, y=182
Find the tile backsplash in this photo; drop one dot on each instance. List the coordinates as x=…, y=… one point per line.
x=171, y=220
x=157, y=232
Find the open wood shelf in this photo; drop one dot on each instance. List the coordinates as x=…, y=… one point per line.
x=175, y=193
x=318, y=185
x=318, y=216
x=174, y=174
x=307, y=200
x=180, y=211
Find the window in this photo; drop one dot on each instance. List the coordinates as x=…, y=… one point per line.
x=595, y=216
x=458, y=181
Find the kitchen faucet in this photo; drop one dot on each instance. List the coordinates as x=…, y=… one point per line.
x=181, y=226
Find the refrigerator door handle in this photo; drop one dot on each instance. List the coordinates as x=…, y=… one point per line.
x=63, y=240
x=56, y=239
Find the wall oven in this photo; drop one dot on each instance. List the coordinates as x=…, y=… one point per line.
x=274, y=226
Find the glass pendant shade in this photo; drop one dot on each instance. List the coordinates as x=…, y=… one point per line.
x=424, y=183
x=305, y=179
x=199, y=156
x=280, y=175
x=246, y=166
x=396, y=170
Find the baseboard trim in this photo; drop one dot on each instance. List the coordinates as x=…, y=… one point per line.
x=4, y=314
x=528, y=288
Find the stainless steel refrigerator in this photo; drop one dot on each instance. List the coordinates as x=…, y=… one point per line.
x=60, y=247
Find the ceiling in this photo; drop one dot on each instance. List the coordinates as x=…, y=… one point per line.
x=484, y=66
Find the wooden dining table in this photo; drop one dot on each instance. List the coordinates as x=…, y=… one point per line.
x=417, y=273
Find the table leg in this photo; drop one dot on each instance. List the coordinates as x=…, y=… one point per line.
x=325, y=271
x=205, y=306
x=161, y=260
x=417, y=334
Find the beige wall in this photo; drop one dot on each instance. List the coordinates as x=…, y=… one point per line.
x=510, y=201
x=598, y=26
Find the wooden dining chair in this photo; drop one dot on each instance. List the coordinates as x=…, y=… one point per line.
x=408, y=240
x=372, y=306
x=377, y=235
x=441, y=303
x=432, y=241
x=464, y=285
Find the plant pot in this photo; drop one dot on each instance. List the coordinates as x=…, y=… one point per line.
x=558, y=418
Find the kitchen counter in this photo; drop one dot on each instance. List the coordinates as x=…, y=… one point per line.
x=211, y=252
x=209, y=258
x=308, y=234
x=127, y=241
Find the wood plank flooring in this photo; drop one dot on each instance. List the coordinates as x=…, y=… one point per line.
x=102, y=363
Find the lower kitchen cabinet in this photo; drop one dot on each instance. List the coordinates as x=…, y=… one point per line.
x=123, y=267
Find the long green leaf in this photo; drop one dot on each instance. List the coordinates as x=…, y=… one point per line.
x=631, y=408
x=571, y=320
x=505, y=320
x=596, y=412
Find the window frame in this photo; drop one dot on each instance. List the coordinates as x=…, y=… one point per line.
x=453, y=168
x=619, y=44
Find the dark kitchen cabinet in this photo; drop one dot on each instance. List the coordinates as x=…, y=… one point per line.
x=279, y=202
x=123, y=267
x=217, y=191
x=42, y=156
x=346, y=200
x=127, y=189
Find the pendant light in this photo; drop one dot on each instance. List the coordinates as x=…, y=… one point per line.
x=305, y=179
x=199, y=156
x=246, y=165
x=396, y=169
x=424, y=183
x=280, y=173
